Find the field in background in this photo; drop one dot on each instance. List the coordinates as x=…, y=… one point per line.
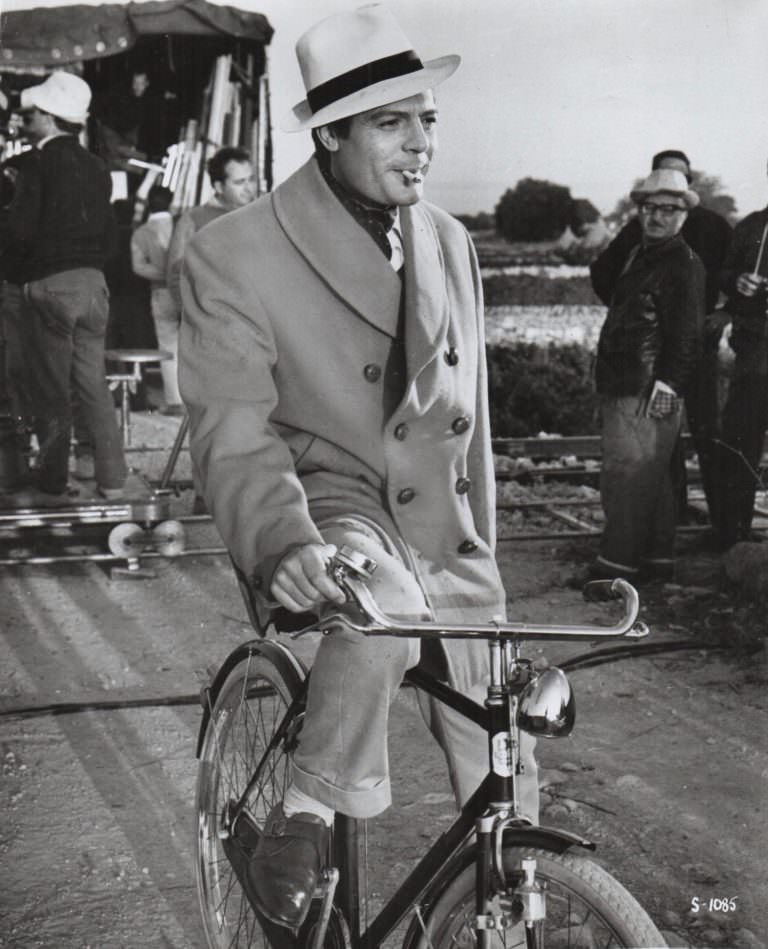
x=542, y=326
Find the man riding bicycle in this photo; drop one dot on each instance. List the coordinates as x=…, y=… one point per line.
x=332, y=361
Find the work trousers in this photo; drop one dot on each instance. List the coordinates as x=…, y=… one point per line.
x=13, y=369
x=342, y=757
x=165, y=315
x=703, y=413
x=67, y=321
x=745, y=419
x=636, y=488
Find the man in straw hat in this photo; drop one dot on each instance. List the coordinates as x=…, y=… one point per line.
x=648, y=347
x=332, y=361
x=708, y=234
x=61, y=213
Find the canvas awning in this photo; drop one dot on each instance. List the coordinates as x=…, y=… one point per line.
x=57, y=36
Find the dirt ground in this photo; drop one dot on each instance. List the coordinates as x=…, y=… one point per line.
x=666, y=769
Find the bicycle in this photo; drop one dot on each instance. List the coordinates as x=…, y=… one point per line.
x=492, y=878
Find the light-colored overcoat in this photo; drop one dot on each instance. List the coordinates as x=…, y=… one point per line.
x=290, y=312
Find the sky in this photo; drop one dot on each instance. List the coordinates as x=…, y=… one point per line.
x=578, y=92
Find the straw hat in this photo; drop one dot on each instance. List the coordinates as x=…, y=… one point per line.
x=63, y=95
x=666, y=181
x=359, y=60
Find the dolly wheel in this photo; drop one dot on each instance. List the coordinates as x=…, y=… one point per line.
x=168, y=538
x=126, y=540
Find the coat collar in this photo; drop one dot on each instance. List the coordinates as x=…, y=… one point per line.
x=335, y=245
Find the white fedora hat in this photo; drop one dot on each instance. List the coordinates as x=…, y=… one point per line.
x=665, y=181
x=62, y=94
x=359, y=60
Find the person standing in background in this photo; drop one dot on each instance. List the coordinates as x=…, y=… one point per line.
x=61, y=212
x=648, y=348
x=232, y=178
x=149, y=258
x=708, y=234
x=14, y=273
x=745, y=414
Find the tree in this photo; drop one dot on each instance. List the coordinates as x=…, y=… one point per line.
x=533, y=211
x=482, y=221
x=710, y=190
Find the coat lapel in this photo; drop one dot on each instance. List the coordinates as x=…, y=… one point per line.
x=337, y=248
x=426, y=301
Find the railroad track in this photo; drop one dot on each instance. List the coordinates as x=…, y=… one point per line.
x=547, y=491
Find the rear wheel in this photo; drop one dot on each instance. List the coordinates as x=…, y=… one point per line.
x=252, y=730
x=586, y=908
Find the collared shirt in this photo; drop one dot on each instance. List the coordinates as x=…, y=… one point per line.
x=395, y=236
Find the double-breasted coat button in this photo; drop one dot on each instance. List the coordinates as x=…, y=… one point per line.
x=406, y=495
x=372, y=372
x=463, y=485
x=401, y=432
x=452, y=357
x=467, y=547
x=460, y=425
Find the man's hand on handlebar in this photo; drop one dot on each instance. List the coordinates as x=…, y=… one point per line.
x=302, y=582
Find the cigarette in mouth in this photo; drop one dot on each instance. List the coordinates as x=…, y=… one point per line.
x=412, y=177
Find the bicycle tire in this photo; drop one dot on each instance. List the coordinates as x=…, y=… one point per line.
x=586, y=907
x=250, y=707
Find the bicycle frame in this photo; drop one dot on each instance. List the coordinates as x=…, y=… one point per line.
x=491, y=817
x=494, y=797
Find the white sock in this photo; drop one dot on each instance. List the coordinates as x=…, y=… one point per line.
x=296, y=801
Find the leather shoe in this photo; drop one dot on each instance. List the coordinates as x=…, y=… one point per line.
x=286, y=864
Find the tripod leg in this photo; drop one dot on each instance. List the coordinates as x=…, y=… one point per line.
x=173, y=457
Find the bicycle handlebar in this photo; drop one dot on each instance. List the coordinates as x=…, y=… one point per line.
x=350, y=570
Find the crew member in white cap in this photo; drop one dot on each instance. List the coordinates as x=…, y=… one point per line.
x=649, y=346
x=61, y=213
x=332, y=361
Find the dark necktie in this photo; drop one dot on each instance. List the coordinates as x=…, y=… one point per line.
x=377, y=219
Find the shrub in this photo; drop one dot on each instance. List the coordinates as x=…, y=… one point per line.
x=531, y=290
x=533, y=211
x=535, y=388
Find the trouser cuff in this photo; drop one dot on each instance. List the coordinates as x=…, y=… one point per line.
x=352, y=802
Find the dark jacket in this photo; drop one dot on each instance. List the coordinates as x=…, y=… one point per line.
x=654, y=324
x=704, y=231
x=14, y=254
x=61, y=211
x=750, y=326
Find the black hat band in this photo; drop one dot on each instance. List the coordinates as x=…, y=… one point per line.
x=390, y=67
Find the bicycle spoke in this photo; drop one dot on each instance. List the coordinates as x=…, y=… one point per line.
x=243, y=766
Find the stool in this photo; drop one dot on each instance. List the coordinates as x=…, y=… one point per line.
x=127, y=382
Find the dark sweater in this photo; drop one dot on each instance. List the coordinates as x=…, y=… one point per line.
x=60, y=212
x=14, y=255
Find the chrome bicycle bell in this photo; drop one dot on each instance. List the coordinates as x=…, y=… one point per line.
x=546, y=706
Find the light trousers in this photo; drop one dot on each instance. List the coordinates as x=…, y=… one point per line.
x=342, y=758
x=165, y=316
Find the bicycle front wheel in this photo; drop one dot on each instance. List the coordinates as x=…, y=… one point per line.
x=252, y=729
x=585, y=908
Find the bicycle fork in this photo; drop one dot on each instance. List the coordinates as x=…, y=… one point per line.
x=496, y=908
